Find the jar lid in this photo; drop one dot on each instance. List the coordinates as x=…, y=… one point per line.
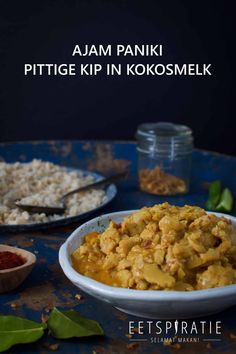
x=164, y=137
x=164, y=130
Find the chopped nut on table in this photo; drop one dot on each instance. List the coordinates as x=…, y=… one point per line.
x=51, y=346
x=13, y=305
x=232, y=336
x=44, y=318
x=132, y=346
x=169, y=343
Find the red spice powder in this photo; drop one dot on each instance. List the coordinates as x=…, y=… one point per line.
x=10, y=260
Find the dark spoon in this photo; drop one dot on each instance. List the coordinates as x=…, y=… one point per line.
x=49, y=210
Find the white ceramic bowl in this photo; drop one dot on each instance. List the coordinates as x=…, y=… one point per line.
x=144, y=303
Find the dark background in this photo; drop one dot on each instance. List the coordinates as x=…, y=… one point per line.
x=112, y=107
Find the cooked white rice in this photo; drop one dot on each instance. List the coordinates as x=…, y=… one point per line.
x=43, y=183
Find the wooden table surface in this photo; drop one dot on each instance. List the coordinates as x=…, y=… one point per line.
x=47, y=286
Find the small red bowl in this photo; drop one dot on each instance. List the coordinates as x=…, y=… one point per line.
x=11, y=278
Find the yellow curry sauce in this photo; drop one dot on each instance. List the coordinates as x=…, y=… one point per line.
x=163, y=247
x=93, y=266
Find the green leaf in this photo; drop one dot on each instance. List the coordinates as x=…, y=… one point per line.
x=214, y=193
x=17, y=330
x=68, y=324
x=226, y=201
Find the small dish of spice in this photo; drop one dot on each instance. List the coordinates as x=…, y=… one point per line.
x=15, y=266
x=10, y=260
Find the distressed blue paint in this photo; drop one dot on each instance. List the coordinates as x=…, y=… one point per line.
x=206, y=167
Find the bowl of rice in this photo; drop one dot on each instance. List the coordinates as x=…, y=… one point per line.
x=44, y=183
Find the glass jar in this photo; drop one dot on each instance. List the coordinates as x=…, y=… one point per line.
x=164, y=161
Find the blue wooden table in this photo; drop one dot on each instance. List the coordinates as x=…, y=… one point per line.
x=47, y=286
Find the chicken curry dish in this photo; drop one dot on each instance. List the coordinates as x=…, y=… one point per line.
x=163, y=247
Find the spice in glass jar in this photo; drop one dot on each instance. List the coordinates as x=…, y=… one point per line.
x=165, y=152
x=157, y=181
